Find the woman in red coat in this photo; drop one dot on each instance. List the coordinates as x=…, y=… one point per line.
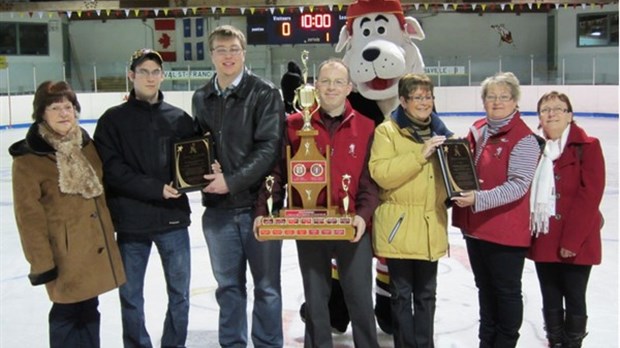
x=566, y=193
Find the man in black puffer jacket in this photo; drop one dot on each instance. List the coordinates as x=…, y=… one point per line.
x=245, y=115
x=134, y=141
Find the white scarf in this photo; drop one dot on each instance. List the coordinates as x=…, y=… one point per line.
x=542, y=196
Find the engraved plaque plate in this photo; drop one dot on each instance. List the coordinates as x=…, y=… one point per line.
x=457, y=167
x=192, y=160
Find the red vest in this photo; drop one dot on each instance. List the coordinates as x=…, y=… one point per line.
x=349, y=148
x=507, y=224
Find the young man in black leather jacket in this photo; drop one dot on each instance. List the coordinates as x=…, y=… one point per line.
x=245, y=115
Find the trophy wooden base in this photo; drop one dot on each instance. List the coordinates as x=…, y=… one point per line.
x=306, y=224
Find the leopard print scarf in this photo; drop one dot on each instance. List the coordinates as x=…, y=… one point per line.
x=75, y=173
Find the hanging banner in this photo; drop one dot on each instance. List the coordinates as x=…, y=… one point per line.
x=193, y=39
x=165, y=34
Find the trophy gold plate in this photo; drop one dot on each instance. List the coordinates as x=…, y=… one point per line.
x=308, y=224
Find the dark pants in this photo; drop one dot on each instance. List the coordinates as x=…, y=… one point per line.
x=355, y=270
x=417, y=277
x=497, y=272
x=563, y=284
x=75, y=325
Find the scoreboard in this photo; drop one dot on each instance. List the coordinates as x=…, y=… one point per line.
x=295, y=28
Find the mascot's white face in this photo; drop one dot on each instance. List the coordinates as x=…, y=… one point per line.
x=379, y=52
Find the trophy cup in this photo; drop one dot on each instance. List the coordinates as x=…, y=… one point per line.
x=308, y=175
x=305, y=96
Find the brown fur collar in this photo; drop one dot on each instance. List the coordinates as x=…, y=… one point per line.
x=75, y=174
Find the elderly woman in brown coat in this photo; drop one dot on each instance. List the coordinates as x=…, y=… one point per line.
x=62, y=217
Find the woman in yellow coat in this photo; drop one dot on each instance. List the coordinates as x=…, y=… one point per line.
x=62, y=217
x=410, y=224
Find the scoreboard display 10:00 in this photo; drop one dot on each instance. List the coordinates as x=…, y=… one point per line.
x=295, y=28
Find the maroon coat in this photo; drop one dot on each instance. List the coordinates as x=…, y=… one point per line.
x=579, y=184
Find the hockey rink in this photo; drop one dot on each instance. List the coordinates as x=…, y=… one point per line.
x=24, y=309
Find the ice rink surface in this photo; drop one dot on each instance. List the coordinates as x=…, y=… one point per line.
x=24, y=309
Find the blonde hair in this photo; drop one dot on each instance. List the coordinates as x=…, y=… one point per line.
x=503, y=78
x=226, y=32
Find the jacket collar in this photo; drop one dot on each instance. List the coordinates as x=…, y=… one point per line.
x=576, y=138
x=577, y=135
x=144, y=104
x=402, y=121
x=479, y=126
x=242, y=89
x=35, y=144
x=231, y=87
x=346, y=114
x=516, y=117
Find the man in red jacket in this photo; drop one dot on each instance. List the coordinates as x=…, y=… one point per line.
x=349, y=135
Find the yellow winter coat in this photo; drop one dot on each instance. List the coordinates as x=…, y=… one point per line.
x=412, y=191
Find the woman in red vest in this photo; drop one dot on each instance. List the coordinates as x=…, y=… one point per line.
x=566, y=194
x=495, y=219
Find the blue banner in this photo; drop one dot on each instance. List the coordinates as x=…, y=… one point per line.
x=187, y=27
x=187, y=50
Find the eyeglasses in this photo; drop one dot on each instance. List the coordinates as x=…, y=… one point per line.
x=339, y=83
x=419, y=98
x=67, y=108
x=501, y=98
x=145, y=73
x=547, y=111
x=233, y=51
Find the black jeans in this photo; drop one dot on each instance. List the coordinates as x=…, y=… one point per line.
x=417, y=277
x=355, y=271
x=563, y=284
x=497, y=272
x=75, y=325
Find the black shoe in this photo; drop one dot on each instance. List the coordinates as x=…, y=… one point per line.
x=338, y=311
x=302, y=312
x=383, y=313
x=385, y=326
x=337, y=328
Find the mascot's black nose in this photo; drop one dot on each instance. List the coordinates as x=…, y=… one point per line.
x=371, y=54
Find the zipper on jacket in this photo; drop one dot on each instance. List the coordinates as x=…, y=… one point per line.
x=396, y=228
x=219, y=123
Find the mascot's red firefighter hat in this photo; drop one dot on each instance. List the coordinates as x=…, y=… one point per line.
x=364, y=7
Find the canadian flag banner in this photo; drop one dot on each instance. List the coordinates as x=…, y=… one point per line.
x=165, y=35
x=193, y=39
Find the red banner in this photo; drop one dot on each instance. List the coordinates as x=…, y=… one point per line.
x=165, y=39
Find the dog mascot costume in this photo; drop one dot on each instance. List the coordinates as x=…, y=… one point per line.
x=379, y=49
